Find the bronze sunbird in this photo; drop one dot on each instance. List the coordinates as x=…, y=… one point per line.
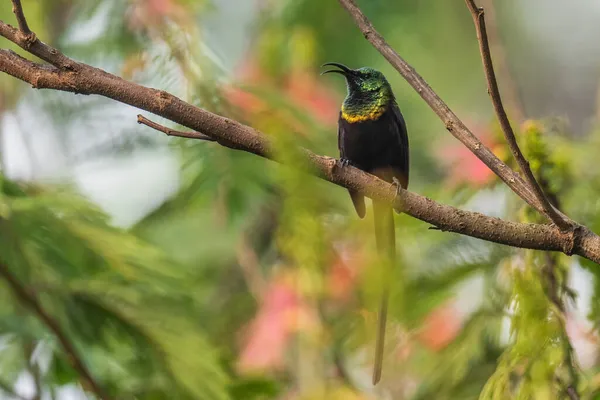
x=372, y=137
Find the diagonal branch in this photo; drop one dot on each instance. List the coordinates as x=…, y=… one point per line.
x=18, y=11
x=478, y=19
x=29, y=300
x=84, y=79
x=509, y=84
x=453, y=124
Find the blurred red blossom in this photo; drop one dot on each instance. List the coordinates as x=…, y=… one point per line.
x=462, y=165
x=300, y=86
x=313, y=95
x=148, y=14
x=440, y=327
x=342, y=276
x=282, y=313
x=249, y=103
x=583, y=339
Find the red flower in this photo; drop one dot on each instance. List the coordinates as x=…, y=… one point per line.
x=281, y=314
x=310, y=94
x=342, y=277
x=440, y=327
x=301, y=87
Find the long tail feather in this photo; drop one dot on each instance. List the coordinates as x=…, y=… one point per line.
x=385, y=237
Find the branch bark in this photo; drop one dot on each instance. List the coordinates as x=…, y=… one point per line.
x=70, y=76
x=29, y=300
x=484, y=48
x=171, y=132
x=18, y=11
x=509, y=84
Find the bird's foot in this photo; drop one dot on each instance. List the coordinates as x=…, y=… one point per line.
x=343, y=162
x=396, y=183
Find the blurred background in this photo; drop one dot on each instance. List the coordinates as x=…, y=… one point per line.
x=180, y=269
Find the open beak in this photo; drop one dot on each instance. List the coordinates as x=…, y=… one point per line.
x=342, y=69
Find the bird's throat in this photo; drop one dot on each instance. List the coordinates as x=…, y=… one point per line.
x=364, y=108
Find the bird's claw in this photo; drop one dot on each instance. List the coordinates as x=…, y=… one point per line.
x=343, y=162
x=396, y=183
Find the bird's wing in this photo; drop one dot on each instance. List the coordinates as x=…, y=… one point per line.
x=403, y=157
x=358, y=200
x=341, y=136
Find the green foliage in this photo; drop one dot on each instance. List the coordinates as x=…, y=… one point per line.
x=529, y=367
x=110, y=291
x=464, y=364
x=248, y=252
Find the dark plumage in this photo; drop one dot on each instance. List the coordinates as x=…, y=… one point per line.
x=372, y=136
x=371, y=130
x=379, y=147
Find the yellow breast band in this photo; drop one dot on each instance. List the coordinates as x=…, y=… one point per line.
x=369, y=116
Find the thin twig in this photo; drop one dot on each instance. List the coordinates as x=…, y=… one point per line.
x=18, y=10
x=479, y=20
x=250, y=266
x=572, y=393
x=29, y=300
x=171, y=132
x=509, y=87
x=190, y=135
x=453, y=124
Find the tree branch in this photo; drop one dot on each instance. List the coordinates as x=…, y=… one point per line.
x=29, y=300
x=453, y=124
x=170, y=132
x=479, y=20
x=509, y=85
x=189, y=135
x=84, y=79
x=18, y=11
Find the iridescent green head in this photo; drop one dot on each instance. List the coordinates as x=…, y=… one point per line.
x=369, y=93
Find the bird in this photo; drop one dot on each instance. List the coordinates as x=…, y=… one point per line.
x=372, y=136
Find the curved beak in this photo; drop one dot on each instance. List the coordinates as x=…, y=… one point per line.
x=343, y=70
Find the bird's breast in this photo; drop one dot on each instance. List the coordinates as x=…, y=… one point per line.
x=362, y=116
x=362, y=112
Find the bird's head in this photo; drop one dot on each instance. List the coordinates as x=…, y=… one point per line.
x=361, y=81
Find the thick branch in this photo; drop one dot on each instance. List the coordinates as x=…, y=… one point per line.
x=488, y=67
x=90, y=80
x=453, y=124
x=29, y=300
x=82, y=78
x=30, y=43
